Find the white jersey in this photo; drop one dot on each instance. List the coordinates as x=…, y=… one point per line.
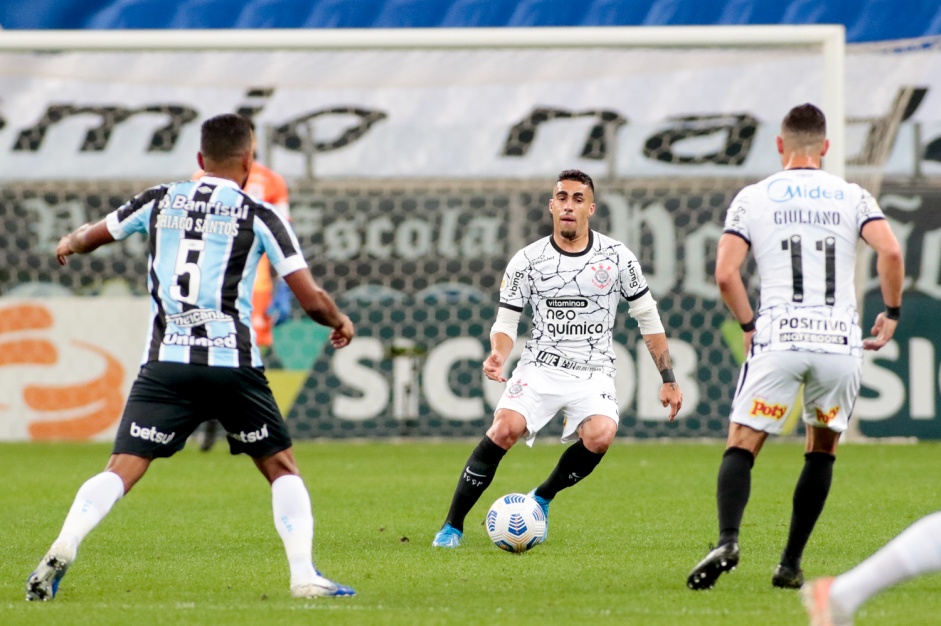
x=803, y=226
x=574, y=299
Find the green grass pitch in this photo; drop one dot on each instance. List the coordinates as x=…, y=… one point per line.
x=194, y=542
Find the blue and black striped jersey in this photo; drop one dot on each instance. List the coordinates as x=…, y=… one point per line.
x=205, y=240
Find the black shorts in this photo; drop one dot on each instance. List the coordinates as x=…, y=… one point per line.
x=168, y=401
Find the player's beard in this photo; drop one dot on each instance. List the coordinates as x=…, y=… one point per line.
x=567, y=232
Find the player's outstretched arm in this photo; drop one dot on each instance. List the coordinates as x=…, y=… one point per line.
x=320, y=307
x=890, y=265
x=82, y=240
x=670, y=393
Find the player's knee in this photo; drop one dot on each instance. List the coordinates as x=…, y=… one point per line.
x=507, y=429
x=598, y=434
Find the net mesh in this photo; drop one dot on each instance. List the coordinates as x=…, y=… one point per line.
x=409, y=233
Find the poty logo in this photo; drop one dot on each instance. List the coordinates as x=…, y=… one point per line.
x=252, y=437
x=774, y=411
x=828, y=416
x=151, y=434
x=785, y=190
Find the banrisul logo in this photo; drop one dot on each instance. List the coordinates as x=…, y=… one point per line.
x=787, y=190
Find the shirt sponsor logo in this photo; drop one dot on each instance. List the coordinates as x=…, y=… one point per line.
x=176, y=339
x=151, y=434
x=566, y=303
x=827, y=416
x=252, y=437
x=197, y=317
x=212, y=208
x=803, y=323
x=840, y=340
x=513, y=283
x=785, y=190
x=557, y=360
x=762, y=409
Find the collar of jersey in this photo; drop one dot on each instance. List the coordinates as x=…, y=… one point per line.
x=222, y=182
x=591, y=242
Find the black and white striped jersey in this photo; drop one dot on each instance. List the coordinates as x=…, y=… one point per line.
x=205, y=240
x=574, y=299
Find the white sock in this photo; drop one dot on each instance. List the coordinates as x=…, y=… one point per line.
x=294, y=521
x=92, y=502
x=917, y=550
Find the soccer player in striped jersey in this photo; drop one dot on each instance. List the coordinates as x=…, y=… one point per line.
x=802, y=226
x=266, y=185
x=573, y=280
x=201, y=359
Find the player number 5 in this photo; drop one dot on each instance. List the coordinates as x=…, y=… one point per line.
x=190, y=269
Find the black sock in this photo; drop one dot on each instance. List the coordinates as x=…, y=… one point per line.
x=809, y=497
x=576, y=463
x=477, y=475
x=732, y=491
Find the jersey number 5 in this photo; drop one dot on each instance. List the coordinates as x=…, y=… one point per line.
x=187, y=271
x=828, y=247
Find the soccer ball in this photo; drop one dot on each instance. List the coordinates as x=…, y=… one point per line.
x=516, y=523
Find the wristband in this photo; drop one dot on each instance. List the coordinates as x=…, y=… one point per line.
x=893, y=312
x=748, y=326
x=667, y=376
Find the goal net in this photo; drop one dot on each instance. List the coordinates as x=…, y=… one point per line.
x=418, y=162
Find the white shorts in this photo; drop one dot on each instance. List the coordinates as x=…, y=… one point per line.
x=539, y=393
x=770, y=381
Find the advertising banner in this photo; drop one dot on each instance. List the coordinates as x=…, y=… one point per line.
x=418, y=269
x=67, y=364
x=469, y=114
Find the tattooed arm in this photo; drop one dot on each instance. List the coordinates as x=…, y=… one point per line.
x=670, y=393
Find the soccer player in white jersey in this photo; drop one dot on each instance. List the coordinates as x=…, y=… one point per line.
x=573, y=281
x=201, y=360
x=802, y=226
x=915, y=552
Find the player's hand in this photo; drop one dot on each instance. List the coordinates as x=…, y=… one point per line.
x=883, y=329
x=748, y=337
x=341, y=335
x=64, y=248
x=670, y=394
x=493, y=367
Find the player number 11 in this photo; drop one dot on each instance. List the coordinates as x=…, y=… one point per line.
x=828, y=247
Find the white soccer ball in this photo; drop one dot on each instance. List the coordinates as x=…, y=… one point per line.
x=516, y=523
